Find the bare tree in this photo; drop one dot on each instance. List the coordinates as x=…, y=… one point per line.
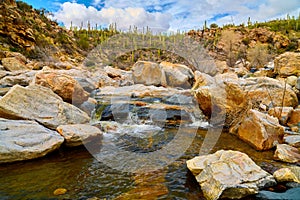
x=258, y=56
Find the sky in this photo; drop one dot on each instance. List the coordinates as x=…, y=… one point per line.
x=165, y=15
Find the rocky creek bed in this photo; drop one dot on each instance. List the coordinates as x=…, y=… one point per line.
x=49, y=114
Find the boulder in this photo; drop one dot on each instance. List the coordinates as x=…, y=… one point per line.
x=291, y=174
x=287, y=64
x=298, y=83
x=281, y=113
x=294, y=119
x=40, y=104
x=14, y=64
x=292, y=140
x=292, y=80
x=287, y=153
x=223, y=102
x=78, y=134
x=270, y=92
x=177, y=75
x=260, y=130
x=148, y=73
x=23, y=140
x=228, y=174
x=202, y=79
x=63, y=85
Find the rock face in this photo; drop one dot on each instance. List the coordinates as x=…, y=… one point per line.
x=222, y=101
x=148, y=73
x=63, y=85
x=40, y=104
x=260, y=130
x=270, y=92
x=291, y=174
x=23, y=140
x=177, y=75
x=228, y=174
x=287, y=64
x=287, y=153
x=78, y=134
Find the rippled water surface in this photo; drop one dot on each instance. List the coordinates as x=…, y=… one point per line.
x=84, y=176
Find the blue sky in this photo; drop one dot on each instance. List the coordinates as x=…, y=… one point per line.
x=166, y=15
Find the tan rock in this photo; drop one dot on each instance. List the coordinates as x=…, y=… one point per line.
x=13, y=64
x=177, y=75
x=291, y=80
x=287, y=153
x=287, y=64
x=291, y=174
x=294, y=118
x=281, y=113
x=228, y=174
x=202, y=79
x=78, y=134
x=63, y=85
x=24, y=139
x=225, y=100
x=40, y=104
x=270, y=92
x=148, y=73
x=260, y=130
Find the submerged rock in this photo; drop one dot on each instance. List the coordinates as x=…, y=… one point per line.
x=287, y=153
x=291, y=194
x=78, y=134
x=291, y=174
x=228, y=174
x=260, y=130
x=40, y=104
x=23, y=140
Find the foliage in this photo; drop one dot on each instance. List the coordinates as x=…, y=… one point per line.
x=258, y=56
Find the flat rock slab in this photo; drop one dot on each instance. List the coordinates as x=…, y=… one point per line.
x=24, y=140
x=78, y=134
x=40, y=104
x=287, y=153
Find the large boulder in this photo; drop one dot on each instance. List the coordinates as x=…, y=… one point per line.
x=228, y=174
x=287, y=64
x=270, y=92
x=177, y=75
x=78, y=134
x=260, y=130
x=40, y=104
x=23, y=140
x=63, y=85
x=148, y=73
x=290, y=174
x=287, y=153
x=294, y=119
x=223, y=102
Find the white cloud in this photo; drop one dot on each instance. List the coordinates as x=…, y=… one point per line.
x=175, y=14
x=124, y=17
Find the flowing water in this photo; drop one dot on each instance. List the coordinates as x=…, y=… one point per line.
x=85, y=175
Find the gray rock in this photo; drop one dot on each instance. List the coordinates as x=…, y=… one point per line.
x=291, y=194
x=298, y=83
x=293, y=140
x=78, y=134
x=23, y=78
x=23, y=140
x=229, y=174
x=40, y=104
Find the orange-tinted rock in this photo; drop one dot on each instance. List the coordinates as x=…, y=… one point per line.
x=281, y=113
x=287, y=64
x=63, y=85
x=260, y=130
x=294, y=118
